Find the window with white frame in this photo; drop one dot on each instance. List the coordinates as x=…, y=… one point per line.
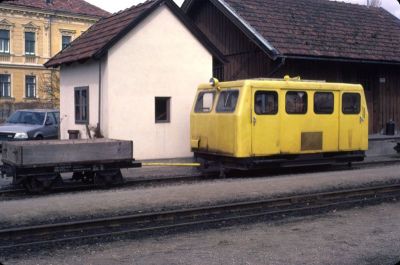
x=30, y=43
x=65, y=41
x=5, y=86
x=81, y=105
x=162, y=109
x=30, y=86
x=4, y=41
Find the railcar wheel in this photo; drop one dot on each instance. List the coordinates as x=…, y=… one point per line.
x=33, y=185
x=108, y=178
x=84, y=177
x=41, y=184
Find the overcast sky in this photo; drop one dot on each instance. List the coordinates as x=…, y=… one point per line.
x=116, y=5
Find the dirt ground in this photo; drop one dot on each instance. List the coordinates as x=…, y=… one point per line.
x=358, y=236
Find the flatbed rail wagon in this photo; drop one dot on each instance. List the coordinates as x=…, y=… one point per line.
x=37, y=165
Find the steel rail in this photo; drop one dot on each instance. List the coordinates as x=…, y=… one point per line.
x=11, y=239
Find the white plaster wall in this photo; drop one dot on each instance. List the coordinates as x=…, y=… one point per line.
x=159, y=58
x=72, y=76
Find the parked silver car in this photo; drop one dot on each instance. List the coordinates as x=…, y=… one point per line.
x=35, y=124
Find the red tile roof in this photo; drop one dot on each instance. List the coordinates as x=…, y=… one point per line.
x=68, y=6
x=96, y=41
x=318, y=28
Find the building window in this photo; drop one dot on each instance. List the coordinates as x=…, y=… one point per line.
x=351, y=103
x=266, y=103
x=82, y=105
x=323, y=103
x=5, y=86
x=4, y=41
x=162, y=109
x=65, y=40
x=30, y=86
x=30, y=43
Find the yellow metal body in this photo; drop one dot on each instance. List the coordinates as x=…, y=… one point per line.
x=243, y=133
x=156, y=164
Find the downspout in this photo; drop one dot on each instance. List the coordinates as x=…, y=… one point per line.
x=50, y=34
x=98, y=129
x=281, y=63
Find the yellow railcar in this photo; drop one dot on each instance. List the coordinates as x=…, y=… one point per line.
x=276, y=122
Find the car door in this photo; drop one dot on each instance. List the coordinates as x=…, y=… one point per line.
x=51, y=126
x=265, y=122
x=352, y=119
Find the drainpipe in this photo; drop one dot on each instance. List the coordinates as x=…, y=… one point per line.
x=98, y=130
x=281, y=63
x=50, y=33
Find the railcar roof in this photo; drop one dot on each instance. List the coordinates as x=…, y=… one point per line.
x=285, y=84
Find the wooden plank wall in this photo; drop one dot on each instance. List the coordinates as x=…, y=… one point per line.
x=247, y=60
x=383, y=95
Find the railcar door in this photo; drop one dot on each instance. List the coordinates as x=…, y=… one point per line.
x=352, y=120
x=265, y=122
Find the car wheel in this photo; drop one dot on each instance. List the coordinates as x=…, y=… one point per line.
x=39, y=137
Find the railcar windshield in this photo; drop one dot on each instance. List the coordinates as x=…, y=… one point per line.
x=205, y=102
x=27, y=117
x=227, y=101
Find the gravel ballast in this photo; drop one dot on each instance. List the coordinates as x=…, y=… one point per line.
x=86, y=205
x=367, y=236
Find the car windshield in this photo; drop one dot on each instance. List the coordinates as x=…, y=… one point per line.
x=27, y=117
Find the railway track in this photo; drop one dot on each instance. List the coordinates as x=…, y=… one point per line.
x=12, y=193
x=22, y=238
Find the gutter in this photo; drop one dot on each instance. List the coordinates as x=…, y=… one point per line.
x=98, y=129
x=328, y=59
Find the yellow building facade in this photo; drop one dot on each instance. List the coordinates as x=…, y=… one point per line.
x=29, y=36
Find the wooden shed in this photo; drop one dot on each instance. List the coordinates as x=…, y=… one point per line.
x=314, y=39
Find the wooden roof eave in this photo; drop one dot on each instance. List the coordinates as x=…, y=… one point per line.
x=238, y=21
x=101, y=52
x=178, y=13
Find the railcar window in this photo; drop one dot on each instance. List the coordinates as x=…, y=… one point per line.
x=227, y=101
x=323, y=103
x=205, y=102
x=296, y=102
x=351, y=103
x=266, y=102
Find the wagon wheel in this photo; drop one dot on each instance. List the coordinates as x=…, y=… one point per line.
x=84, y=177
x=108, y=178
x=33, y=185
x=88, y=178
x=36, y=186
